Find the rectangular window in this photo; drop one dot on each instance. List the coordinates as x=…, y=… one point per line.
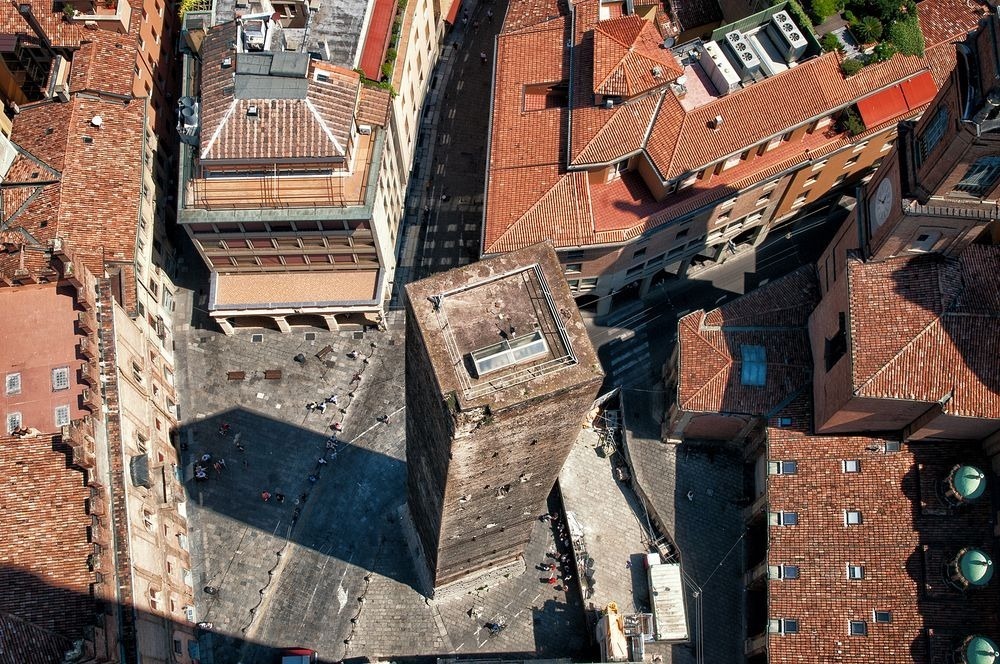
x=754, y=369
x=782, y=467
x=784, y=518
x=852, y=518
x=783, y=626
x=860, y=146
x=851, y=465
x=573, y=268
x=857, y=628
x=812, y=180
x=13, y=383
x=60, y=379
x=763, y=199
x=932, y=134
x=850, y=162
x=784, y=571
x=883, y=617
x=62, y=416
x=573, y=256
x=819, y=164
x=855, y=572
x=891, y=446
x=924, y=242
x=980, y=177
x=13, y=422
x=632, y=271
x=638, y=253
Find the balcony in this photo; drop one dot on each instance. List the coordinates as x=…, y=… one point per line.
x=86, y=322
x=291, y=191
x=87, y=349
x=91, y=400
x=111, y=15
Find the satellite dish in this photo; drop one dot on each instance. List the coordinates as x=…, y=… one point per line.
x=669, y=42
x=97, y=121
x=682, y=80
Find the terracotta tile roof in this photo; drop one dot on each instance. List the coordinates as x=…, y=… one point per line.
x=373, y=107
x=627, y=51
x=623, y=134
x=523, y=14
x=773, y=317
x=903, y=543
x=44, y=549
x=27, y=643
x=60, y=143
x=679, y=142
x=60, y=32
x=105, y=62
x=311, y=121
x=924, y=327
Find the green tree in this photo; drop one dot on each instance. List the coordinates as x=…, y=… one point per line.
x=850, y=67
x=868, y=30
x=822, y=9
x=905, y=35
x=883, y=51
x=831, y=43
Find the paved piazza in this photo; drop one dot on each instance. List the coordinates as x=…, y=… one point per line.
x=327, y=567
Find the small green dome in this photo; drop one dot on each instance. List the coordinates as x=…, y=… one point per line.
x=969, y=482
x=975, y=566
x=981, y=650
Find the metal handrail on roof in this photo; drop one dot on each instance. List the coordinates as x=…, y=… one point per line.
x=508, y=379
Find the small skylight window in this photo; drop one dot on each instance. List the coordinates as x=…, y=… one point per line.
x=754, y=371
x=883, y=617
x=783, y=571
x=855, y=572
x=851, y=465
x=852, y=518
x=783, y=467
x=891, y=446
x=784, y=518
x=783, y=626
x=253, y=111
x=508, y=352
x=857, y=628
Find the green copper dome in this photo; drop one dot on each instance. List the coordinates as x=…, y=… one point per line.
x=981, y=650
x=968, y=481
x=975, y=566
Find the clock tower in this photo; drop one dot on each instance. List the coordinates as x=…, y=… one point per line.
x=940, y=188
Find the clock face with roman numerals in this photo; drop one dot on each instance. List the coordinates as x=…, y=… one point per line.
x=880, y=205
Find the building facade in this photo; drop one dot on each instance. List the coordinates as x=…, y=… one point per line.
x=863, y=394
x=643, y=164
x=96, y=399
x=499, y=375
x=299, y=228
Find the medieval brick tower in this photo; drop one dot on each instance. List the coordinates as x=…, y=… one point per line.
x=499, y=375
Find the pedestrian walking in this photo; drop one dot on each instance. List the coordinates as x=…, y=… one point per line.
x=465, y=21
x=482, y=57
x=489, y=15
x=280, y=497
x=321, y=461
x=475, y=26
x=265, y=495
x=218, y=468
x=222, y=462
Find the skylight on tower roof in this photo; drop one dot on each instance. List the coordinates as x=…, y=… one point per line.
x=509, y=352
x=754, y=369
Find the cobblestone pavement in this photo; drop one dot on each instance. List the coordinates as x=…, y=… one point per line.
x=326, y=567
x=707, y=527
x=613, y=525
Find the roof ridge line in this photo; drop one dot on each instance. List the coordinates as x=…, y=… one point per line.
x=326, y=130
x=727, y=361
x=218, y=130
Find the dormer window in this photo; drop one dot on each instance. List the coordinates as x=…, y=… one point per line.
x=253, y=111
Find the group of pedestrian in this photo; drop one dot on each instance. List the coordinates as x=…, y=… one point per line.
x=558, y=563
x=204, y=463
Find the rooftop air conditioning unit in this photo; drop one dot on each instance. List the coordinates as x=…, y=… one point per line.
x=365, y=129
x=746, y=60
x=787, y=36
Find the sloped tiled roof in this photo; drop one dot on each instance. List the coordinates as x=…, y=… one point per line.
x=627, y=52
x=373, y=106
x=903, y=543
x=678, y=142
x=44, y=575
x=772, y=317
x=313, y=124
x=925, y=327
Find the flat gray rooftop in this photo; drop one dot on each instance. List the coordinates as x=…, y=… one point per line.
x=337, y=24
